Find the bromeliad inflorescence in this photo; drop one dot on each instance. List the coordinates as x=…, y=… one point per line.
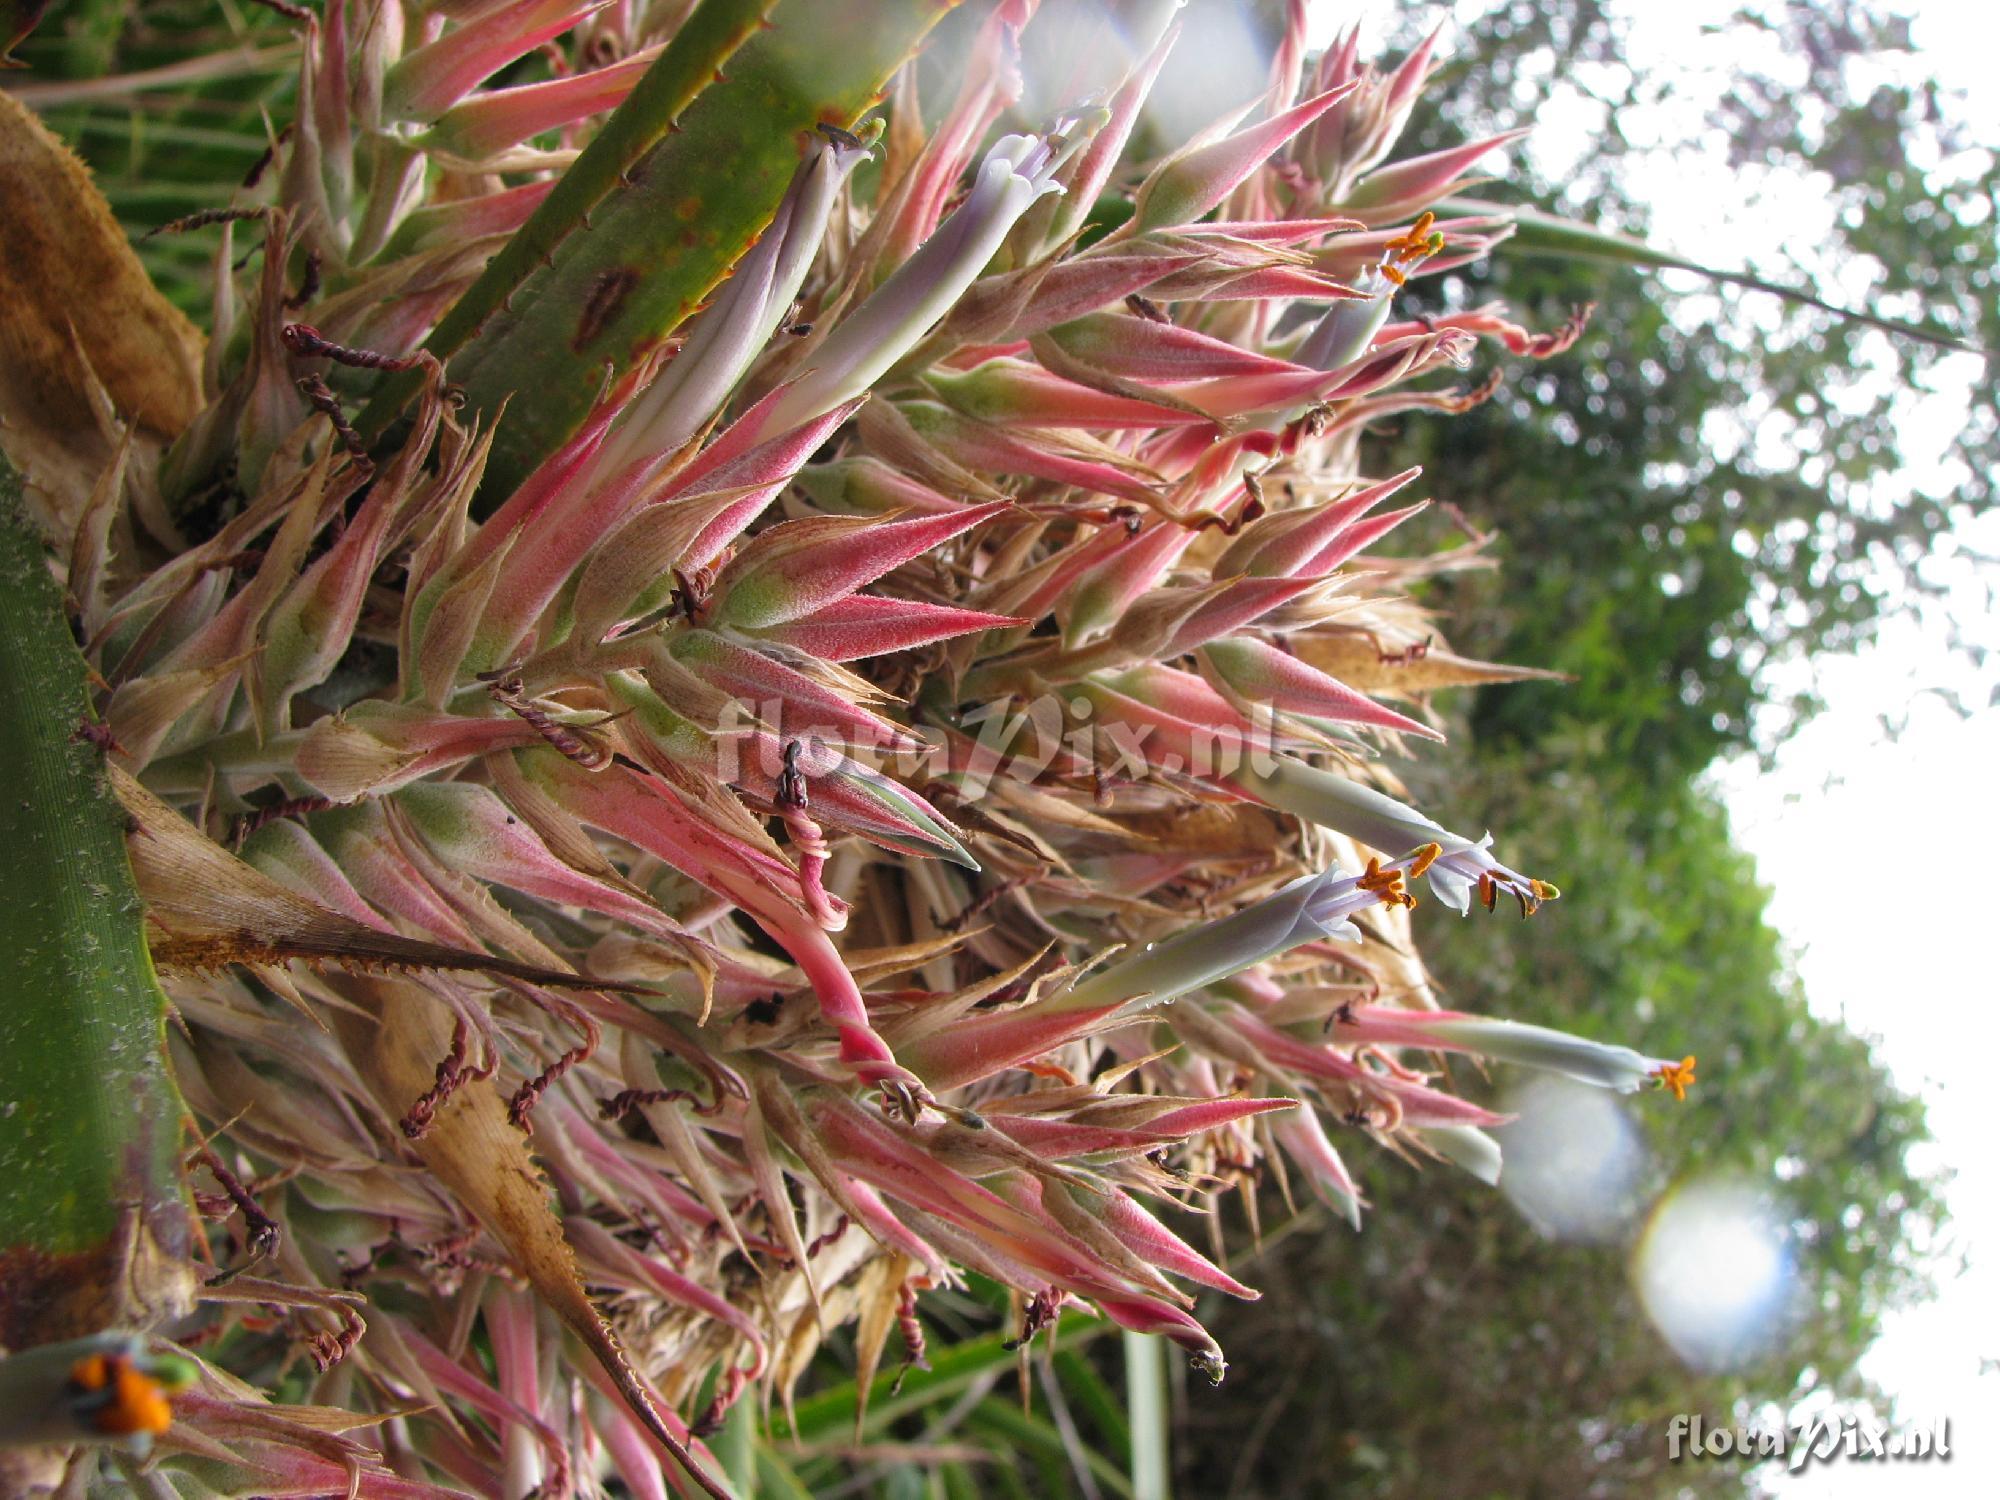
x=900, y=781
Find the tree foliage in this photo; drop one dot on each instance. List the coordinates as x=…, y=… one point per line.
x=1452, y=1349
x=1768, y=448
x=1765, y=448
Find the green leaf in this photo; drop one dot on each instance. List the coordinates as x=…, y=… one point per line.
x=830, y=1413
x=93, y=1223
x=775, y=1478
x=1096, y=1400
x=679, y=184
x=736, y=1448
x=649, y=115
x=1001, y=1417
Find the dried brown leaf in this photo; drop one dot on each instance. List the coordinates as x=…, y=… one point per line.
x=484, y=1161
x=207, y=908
x=76, y=306
x=1404, y=671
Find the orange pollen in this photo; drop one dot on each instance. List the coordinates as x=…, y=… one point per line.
x=1421, y=860
x=1415, y=245
x=1544, y=891
x=1388, y=883
x=138, y=1403
x=1489, y=892
x=1393, y=276
x=91, y=1374
x=1676, y=1077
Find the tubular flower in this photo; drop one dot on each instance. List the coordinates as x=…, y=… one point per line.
x=1603, y=1064
x=1018, y=170
x=736, y=327
x=1313, y=908
x=1350, y=327
x=823, y=728
x=1461, y=867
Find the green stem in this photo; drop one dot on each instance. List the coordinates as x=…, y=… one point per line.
x=1538, y=233
x=205, y=69
x=1146, y=1402
x=661, y=204
x=93, y=1225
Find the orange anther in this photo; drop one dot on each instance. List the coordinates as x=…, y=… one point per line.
x=1388, y=884
x=1415, y=245
x=138, y=1404
x=1678, y=1077
x=91, y=1374
x=1375, y=878
x=133, y=1403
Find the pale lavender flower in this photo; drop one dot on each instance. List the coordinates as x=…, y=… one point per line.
x=1602, y=1064
x=741, y=320
x=1017, y=171
x=1462, y=867
x=1349, y=328
x=1313, y=908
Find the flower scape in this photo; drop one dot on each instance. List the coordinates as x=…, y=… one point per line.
x=673, y=821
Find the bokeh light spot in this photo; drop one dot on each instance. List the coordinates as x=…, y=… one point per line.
x=1714, y=1269
x=1575, y=1162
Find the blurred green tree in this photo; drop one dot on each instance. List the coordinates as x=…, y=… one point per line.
x=1450, y=1348
x=1706, y=487
x=1709, y=485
